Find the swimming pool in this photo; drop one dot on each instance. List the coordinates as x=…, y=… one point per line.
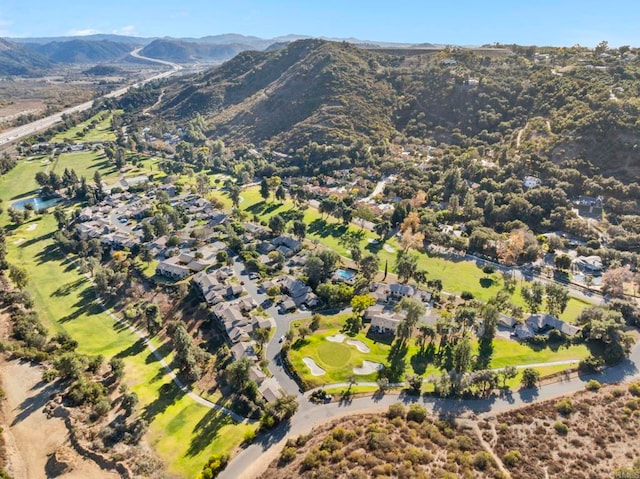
x=345, y=274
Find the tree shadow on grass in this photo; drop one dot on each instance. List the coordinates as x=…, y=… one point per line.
x=207, y=430
x=421, y=360
x=168, y=395
x=86, y=305
x=66, y=289
x=48, y=253
x=375, y=248
x=485, y=353
x=26, y=194
x=133, y=350
x=163, y=351
x=320, y=227
x=397, y=361
x=300, y=343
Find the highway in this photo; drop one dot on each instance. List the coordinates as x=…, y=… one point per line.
x=23, y=131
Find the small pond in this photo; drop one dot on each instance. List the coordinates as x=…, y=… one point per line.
x=37, y=202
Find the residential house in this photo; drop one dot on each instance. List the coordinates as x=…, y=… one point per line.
x=542, y=323
x=532, y=181
x=299, y=292
x=244, y=349
x=384, y=322
x=589, y=264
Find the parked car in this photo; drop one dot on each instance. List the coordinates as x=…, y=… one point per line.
x=254, y=276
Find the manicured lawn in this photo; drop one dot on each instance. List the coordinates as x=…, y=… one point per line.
x=20, y=182
x=339, y=359
x=86, y=163
x=101, y=132
x=513, y=353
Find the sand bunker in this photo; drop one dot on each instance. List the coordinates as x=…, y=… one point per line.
x=368, y=367
x=32, y=226
x=389, y=249
x=336, y=338
x=313, y=367
x=19, y=240
x=360, y=346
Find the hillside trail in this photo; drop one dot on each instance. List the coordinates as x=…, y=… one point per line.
x=473, y=426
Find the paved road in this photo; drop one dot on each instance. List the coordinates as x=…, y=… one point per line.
x=253, y=460
x=19, y=132
x=282, y=322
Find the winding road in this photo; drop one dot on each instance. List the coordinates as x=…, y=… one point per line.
x=253, y=460
x=23, y=131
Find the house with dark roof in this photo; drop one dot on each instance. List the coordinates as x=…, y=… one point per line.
x=543, y=323
x=299, y=292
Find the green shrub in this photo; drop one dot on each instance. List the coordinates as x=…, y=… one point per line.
x=564, y=407
x=482, y=461
x=417, y=413
x=102, y=407
x=512, y=458
x=288, y=454
x=396, y=410
x=561, y=428
x=593, y=385
x=49, y=375
x=214, y=465
x=634, y=389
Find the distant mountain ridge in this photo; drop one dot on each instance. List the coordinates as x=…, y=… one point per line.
x=82, y=51
x=16, y=59
x=211, y=48
x=181, y=51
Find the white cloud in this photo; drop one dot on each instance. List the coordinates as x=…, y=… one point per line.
x=126, y=30
x=81, y=32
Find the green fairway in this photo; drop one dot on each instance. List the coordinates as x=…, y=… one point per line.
x=101, y=132
x=86, y=163
x=339, y=359
x=183, y=432
x=20, y=182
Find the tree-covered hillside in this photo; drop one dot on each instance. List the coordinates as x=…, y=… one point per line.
x=563, y=104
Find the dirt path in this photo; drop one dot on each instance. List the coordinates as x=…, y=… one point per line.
x=30, y=436
x=473, y=425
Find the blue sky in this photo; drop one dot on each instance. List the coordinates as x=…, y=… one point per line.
x=462, y=22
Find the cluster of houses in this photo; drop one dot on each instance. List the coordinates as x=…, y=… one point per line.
x=234, y=312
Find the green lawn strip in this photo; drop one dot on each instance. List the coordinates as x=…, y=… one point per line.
x=543, y=370
x=101, y=132
x=20, y=181
x=513, y=353
x=86, y=163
